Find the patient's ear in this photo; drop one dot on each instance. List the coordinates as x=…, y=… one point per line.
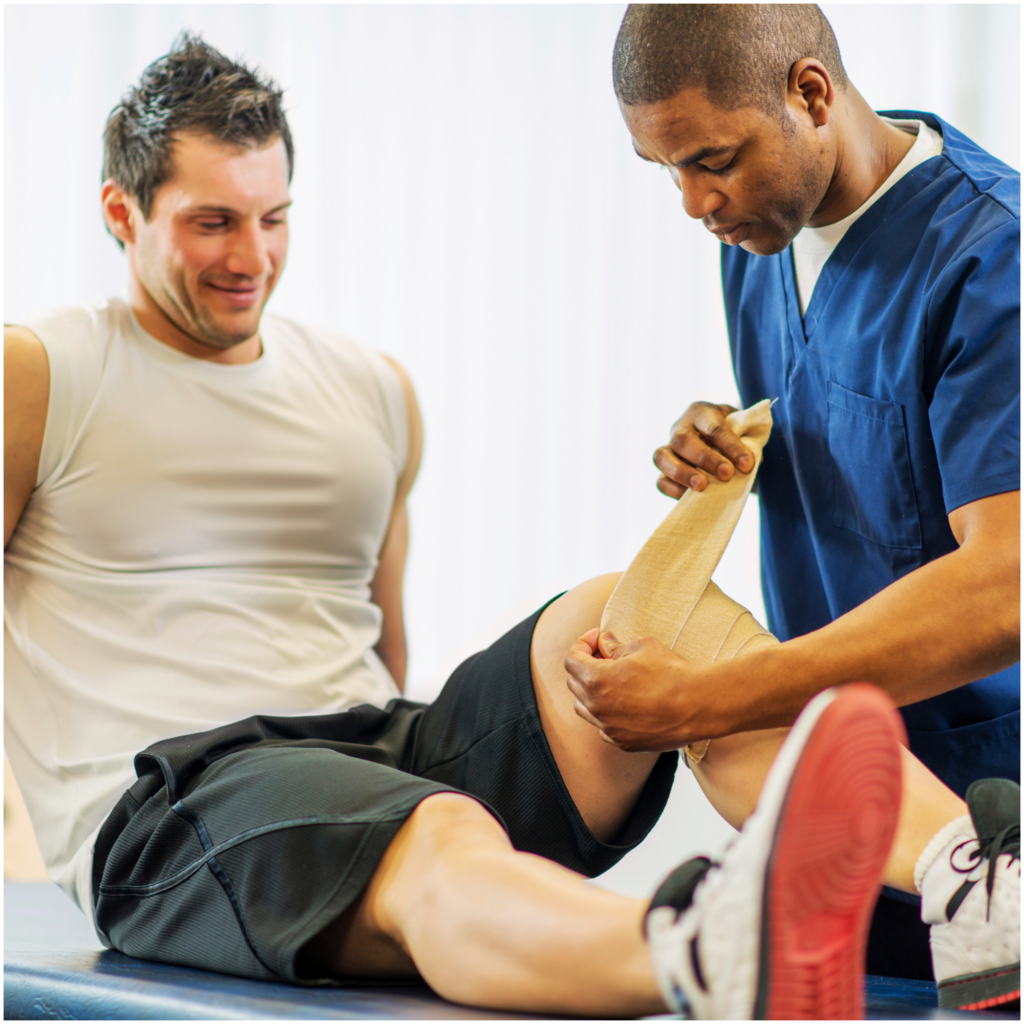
x=119, y=211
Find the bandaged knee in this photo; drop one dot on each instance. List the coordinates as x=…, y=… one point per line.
x=667, y=591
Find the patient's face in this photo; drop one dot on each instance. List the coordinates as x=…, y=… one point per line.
x=216, y=239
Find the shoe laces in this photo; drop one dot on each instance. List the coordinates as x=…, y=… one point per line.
x=1006, y=841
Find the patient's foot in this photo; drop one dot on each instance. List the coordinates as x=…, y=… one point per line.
x=778, y=928
x=970, y=895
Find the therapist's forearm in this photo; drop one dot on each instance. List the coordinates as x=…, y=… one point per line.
x=951, y=621
x=954, y=620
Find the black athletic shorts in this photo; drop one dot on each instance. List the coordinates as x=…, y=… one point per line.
x=237, y=846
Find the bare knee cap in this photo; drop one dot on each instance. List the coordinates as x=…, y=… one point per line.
x=439, y=818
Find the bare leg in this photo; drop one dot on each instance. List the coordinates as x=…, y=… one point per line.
x=927, y=806
x=603, y=781
x=734, y=768
x=489, y=926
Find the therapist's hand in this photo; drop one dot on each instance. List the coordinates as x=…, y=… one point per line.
x=640, y=695
x=702, y=443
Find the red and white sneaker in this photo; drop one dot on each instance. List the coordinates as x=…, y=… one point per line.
x=778, y=929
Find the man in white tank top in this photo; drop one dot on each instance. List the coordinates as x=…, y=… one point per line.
x=205, y=531
x=205, y=521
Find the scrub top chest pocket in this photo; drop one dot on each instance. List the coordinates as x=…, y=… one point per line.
x=873, y=490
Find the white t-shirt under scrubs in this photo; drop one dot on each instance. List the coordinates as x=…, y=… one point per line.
x=813, y=246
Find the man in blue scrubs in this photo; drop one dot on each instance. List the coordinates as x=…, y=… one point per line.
x=871, y=276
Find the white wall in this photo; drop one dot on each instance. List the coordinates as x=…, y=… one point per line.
x=960, y=61
x=466, y=200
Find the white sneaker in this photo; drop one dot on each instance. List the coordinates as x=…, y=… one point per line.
x=778, y=929
x=971, y=898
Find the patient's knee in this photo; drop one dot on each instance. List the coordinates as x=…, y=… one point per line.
x=450, y=819
x=564, y=621
x=733, y=770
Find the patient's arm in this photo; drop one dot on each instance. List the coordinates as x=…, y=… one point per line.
x=26, y=397
x=386, y=589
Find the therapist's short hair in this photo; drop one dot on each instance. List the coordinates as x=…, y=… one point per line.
x=194, y=88
x=739, y=55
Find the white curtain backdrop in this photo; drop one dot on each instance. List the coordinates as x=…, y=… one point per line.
x=467, y=201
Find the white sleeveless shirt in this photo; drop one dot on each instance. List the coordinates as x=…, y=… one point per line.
x=199, y=548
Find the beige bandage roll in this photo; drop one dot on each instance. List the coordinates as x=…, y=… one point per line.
x=667, y=591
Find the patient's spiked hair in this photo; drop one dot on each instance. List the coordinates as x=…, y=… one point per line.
x=194, y=88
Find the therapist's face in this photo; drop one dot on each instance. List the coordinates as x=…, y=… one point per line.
x=753, y=180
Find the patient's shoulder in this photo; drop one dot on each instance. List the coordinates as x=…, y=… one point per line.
x=77, y=337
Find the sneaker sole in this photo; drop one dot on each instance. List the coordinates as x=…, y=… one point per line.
x=831, y=842
x=981, y=991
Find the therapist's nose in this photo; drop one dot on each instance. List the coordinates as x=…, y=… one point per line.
x=700, y=200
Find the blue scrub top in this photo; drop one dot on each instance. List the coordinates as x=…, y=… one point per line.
x=898, y=401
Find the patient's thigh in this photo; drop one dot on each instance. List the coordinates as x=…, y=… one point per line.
x=733, y=771
x=603, y=781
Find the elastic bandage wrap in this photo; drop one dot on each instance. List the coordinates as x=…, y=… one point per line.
x=962, y=826
x=667, y=591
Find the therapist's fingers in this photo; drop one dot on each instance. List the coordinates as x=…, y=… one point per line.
x=703, y=444
x=669, y=487
x=581, y=710
x=711, y=423
x=677, y=475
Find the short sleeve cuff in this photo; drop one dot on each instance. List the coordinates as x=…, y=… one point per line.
x=963, y=494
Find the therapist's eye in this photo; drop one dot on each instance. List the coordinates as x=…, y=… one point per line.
x=720, y=170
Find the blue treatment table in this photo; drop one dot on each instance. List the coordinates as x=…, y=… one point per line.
x=54, y=967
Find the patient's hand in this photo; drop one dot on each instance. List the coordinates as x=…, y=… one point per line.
x=639, y=695
x=702, y=443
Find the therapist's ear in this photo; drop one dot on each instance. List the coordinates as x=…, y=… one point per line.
x=810, y=90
